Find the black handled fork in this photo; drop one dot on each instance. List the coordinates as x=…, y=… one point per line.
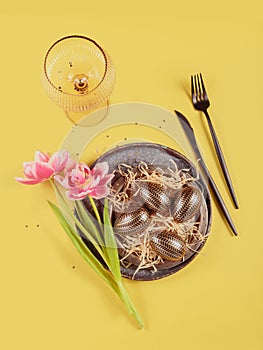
x=201, y=103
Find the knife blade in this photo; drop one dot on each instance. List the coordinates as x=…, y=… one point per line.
x=191, y=138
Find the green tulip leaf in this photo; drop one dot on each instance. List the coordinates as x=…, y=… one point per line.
x=110, y=244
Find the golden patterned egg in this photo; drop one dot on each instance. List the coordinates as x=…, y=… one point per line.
x=168, y=245
x=134, y=222
x=187, y=203
x=154, y=197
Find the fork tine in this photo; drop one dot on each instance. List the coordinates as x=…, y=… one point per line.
x=193, y=89
x=196, y=87
x=192, y=85
x=203, y=86
x=199, y=87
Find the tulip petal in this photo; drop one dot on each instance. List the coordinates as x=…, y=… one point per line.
x=59, y=160
x=94, y=181
x=41, y=157
x=100, y=169
x=77, y=177
x=42, y=170
x=100, y=192
x=106, y=180
x=76, y=196
x=28, y=169
x=25, y=181
x=71, y=163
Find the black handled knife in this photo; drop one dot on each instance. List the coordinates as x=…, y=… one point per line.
x=191, y=137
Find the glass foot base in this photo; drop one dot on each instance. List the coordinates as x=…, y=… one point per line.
x=88, y=118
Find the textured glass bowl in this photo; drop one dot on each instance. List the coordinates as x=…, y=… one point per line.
x=78, y=75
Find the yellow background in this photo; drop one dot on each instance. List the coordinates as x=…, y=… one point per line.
x=214, y=303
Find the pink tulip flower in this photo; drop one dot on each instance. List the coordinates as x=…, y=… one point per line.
x=43, y=167
x=80, y=181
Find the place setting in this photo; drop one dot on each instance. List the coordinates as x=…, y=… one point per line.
x=134, y=193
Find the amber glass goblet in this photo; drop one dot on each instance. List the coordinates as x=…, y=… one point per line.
x=79, y=77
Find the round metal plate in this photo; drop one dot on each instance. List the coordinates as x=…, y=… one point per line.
x=160, y=156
